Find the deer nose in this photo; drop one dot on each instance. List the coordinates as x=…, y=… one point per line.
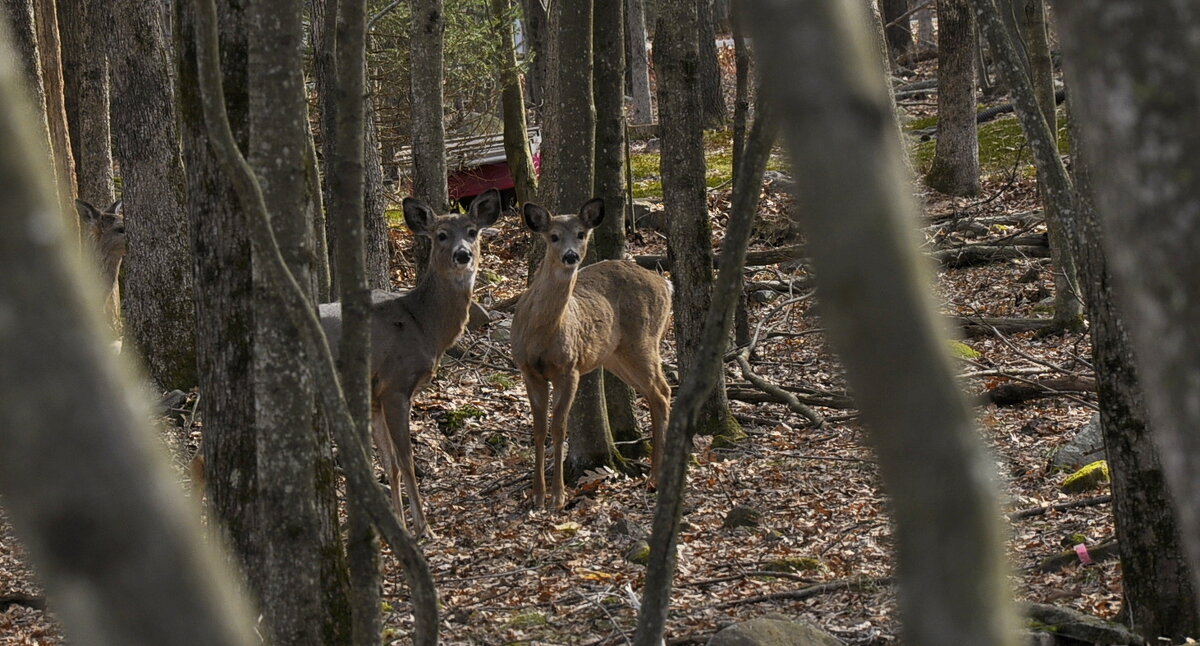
x=571, y=257
x=462, y=256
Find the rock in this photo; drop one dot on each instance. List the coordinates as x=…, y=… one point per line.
x=639, y=553
x=501, y=331
x=778, y=181
x=1085, y=448
x=623, y=527
x=772, y=631
x=1093, y=476
x=742, y=516
x=656, y=220
x=1075, y=625
x=477, y=317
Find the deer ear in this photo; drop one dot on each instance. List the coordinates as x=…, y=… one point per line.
x=592, y=213
x=536, y=217
x=418, y=216
x=117, y=208
x=87, y=212
x=485, y=209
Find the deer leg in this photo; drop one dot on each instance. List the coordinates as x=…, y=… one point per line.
x=387, y=457
x=538, y=390
x=564, y=396
x=658, y=396
x=396, y=409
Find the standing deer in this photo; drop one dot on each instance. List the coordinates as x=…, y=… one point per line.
x=410, y=332
x=611, y=314
x=105, y=235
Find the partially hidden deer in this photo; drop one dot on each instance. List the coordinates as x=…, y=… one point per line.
x=411, y=331
x=611, y=314
x=104, y=232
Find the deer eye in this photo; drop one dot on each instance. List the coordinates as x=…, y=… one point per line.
x=472, y=233
x=442, y=236
x=582, y=235
x=554, y=237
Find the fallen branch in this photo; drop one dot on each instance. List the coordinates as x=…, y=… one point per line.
x=36, y=602
x=858, y=583
x=789, y=399
x=1101, y=552
x=980, y=254
x=753, y=258
x=1062, y=506
x=1015, y=393
x=981, y=326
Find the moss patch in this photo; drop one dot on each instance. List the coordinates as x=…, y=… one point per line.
x=1090, y=477
x=1001, y=145
x=718, y=158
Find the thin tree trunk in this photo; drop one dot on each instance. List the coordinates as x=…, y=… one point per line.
x=93, y=500
x=426, y=47
x=689, y=243
x=639, y=63
x=23, y=28
x=897, y=27
x=85, y=82
x=516, y=132
x=1160, y=600
x=49, y=49
x=955, y=169
x=537, y=36
x=712, y=97
x=854, y=195
x=1058, y=194
x=1137, y=119
x=159, y=312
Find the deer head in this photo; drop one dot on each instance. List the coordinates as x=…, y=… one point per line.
x=454, y=237
x=106, y=230
x=566, y=235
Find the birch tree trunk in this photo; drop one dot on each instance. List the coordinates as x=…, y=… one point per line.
x=858, y=214
x=159, y=312
x=1137, y=121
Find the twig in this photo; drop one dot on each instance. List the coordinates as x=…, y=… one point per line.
x=746, y=575
x=792, y=402
x=858, y=583
x=1038, y=511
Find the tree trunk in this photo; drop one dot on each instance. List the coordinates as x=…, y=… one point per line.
x=516, y=132
x=639, y=63
x=1137, y=119
x=955, y=169
x=23, y=27
x=375, y=203
x=49, y=49
x=537, y=36
x=428, y=125
x=293, y=601
x=855, y=198
x=1058, y=195
x=158, y=308
x=85, y=82
x=1159, y=597
x=689, y=243
x=225, y=312
x=712, y=97
x=896, y=27
x=925, y=38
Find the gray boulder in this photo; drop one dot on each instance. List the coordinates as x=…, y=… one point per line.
x=773, y=631
x=1085, y=448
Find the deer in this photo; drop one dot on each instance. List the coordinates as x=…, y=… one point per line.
x=105, y=235
x=572, y=320
x=411, y=331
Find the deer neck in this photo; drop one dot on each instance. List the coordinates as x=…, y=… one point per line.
x=443, y=301
x=552, y=291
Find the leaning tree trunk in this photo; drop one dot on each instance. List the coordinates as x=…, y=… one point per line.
x=225, y=314
x=689, y=243
x=159, y=313
x=1138, y=125
x=121, y=557
x=293, y=491
x=955, y=169
x=85, y=79
x=1160, y=600
x=1053, y=182
x=428, y=125
x=608, y=43
x=639, y=63
x=858, y=214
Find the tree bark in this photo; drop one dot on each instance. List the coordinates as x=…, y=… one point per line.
x=516, y=131
x=858, y=215
x=689, y=243
x=159, y=312
x=639, y=63
x=897, y=27
x=955, y=169
x=85, y=82
x=536, y=28
x=225, y=311
x=426, y=52
x=1160, y=599
x=712, y=97
x=1137, y=123
x=23, y=27
x=49, y=49
x=293, y=491
x=91, y=497
x=1053, y=182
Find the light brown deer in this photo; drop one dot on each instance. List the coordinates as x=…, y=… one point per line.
x=410, y=332
x=105, y=235
x=611, y=314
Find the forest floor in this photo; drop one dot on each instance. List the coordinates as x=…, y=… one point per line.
x=507, y=575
